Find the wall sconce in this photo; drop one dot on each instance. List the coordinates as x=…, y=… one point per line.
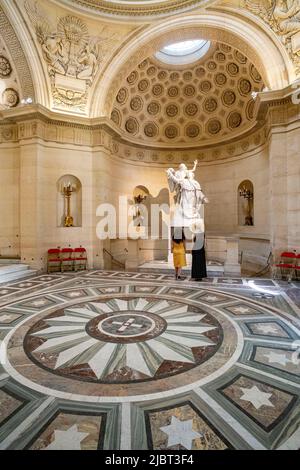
x=138, y=200
x=247, y=194
x=67, y=189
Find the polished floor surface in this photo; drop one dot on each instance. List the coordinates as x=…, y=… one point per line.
x=119, y=360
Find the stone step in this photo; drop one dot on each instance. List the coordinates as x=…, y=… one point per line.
x=12, y=272
x=11, y=260
x=165, y=267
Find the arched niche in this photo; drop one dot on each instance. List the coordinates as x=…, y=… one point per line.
x=155, y=246
x=75, y=200
x=245, y=195
x=141, y=196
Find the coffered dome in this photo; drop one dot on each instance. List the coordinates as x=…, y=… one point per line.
x=190, y=105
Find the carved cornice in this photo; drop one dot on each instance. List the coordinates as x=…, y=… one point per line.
x=36, y=122
x=132, y=9
x=279, y=107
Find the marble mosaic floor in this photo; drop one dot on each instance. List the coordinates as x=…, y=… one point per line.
x=117, y=360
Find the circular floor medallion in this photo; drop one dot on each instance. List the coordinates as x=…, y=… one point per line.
x=126, y=327
x=121, y=346
x=123, y=340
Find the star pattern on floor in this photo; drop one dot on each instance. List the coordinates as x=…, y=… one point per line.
x=69, y=439
x=277, y=358
x=256, y=397
x=255, y=391
x=180, y=433
x=267, y=329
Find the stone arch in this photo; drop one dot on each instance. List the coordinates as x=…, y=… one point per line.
x=24, y=54
x=272, y=60
x=17, y=56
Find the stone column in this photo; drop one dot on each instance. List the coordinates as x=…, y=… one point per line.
x=284, y=170
x=30, y=214
x=101, y=182
x=293, y=190
x=278, y=192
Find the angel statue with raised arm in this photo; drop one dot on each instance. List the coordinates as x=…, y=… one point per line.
x=180, y=174
x=189, y=197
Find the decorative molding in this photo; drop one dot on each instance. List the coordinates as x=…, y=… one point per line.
x=128, y=9
x=10, y=98
x=274, y=109
x=10, y=93
x=16, y=52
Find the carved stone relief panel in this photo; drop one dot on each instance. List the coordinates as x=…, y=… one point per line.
x=283, y=17
x=72, y=54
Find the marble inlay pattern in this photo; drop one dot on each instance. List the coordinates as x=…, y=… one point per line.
x=68, y=431
x=265, y=404
x=123, y=360
x=8, y=318
x=281, y=359
x=244, y=309
x=124, y=340
x=9, y=405
x=180, y=428
x=268, y=328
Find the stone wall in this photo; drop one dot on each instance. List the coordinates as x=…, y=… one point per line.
x=36, y=151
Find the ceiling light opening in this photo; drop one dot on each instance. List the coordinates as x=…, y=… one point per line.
x=183, y=52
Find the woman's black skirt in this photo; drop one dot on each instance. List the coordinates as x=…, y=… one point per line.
x=198, y=264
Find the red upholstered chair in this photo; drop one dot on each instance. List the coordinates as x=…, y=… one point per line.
x=288, y=260
x=297, y=268
x=67, y=259
x=53, y=260
x=80, y=259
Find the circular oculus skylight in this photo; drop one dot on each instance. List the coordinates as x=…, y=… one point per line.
x=183, y=52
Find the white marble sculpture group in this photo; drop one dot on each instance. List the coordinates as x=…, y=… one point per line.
x=189, y=198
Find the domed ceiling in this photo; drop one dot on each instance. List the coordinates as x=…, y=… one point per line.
x=208, y=101
x=144, y=8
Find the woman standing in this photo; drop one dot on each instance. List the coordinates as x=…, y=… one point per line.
x=198, y=258
x=179, y=257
